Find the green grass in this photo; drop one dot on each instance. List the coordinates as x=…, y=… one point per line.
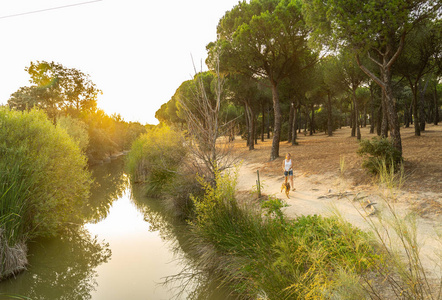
x=262, y=254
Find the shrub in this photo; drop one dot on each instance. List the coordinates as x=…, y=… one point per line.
x=379, y=153
x=155, y=157
x=43, y=176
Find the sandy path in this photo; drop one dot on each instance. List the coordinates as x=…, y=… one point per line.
x=323, y=194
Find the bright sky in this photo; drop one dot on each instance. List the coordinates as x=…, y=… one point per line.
x=137, y=52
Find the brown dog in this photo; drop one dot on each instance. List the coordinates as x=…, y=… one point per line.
x=286, y=187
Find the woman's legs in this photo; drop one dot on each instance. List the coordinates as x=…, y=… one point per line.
x=291, y=183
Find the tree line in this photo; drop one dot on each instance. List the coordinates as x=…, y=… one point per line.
x=69, y=99
x=291, y=65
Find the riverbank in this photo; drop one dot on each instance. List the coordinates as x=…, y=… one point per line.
x=329, y=178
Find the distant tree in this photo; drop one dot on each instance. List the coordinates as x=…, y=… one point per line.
x=344, y=74
x=56, y=89
x=168, y=112
x=418, y=59
x=245, y=92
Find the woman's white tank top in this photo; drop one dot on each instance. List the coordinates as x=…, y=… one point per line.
x=288, y=164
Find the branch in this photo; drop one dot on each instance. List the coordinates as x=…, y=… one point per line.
x=398, y=51
x=369, y=74
x=373, y=60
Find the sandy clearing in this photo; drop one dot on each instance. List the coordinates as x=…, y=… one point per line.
x=328, y=193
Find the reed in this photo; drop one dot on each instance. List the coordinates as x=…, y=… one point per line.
x=396, y=234
x=43, y=181
x=15, y=187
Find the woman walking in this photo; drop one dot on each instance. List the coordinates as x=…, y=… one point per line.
x=287, y=166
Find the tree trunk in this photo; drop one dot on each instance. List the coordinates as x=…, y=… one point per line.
x=384, y=125
x=390, y=102
x=292, y=112
x=417, y=129
x=250, y=127
x=246, y=115
x=352, y=120
x=295, y=127
x=263, y=121
x=422, y=117
x=254, y=129
x=372, y=120
x=268, y=123
x=312, y=120
x=277, y=128
x=356, y=116
x=365, y=115
x=379, y=121
x=436, y=105
x=329, y=115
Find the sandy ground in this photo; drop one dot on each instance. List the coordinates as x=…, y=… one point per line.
x=324, y=185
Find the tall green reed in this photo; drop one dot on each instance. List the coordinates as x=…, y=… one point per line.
x=15, y=188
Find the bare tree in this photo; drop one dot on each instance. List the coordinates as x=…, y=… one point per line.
x=211, y=150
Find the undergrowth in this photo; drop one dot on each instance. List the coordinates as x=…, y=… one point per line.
x=257, y=252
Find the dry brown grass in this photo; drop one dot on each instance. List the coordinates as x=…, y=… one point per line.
x=321, y=155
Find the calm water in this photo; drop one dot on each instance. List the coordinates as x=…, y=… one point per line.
x=125, y=251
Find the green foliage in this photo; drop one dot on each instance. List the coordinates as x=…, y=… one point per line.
x=273, y=206
x=76, y=129
x=43, y=176
x=155, y=158
x=321, y=119
x=379, y=153
x=56, y=88
x=281, y=259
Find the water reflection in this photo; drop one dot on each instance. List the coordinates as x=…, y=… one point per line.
x=187, y=282
x=64, y=267
x=109, y=184
x=138, y=246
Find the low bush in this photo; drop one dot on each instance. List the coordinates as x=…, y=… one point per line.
x=379, y=153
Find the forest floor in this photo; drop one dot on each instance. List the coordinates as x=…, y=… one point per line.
x=329, y=179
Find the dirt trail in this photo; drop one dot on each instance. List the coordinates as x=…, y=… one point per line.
x=335, y=195
x=326, y=192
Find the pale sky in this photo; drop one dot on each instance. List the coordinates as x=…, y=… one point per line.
x=137, y=52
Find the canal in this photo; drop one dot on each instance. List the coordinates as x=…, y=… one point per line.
x=126, y=250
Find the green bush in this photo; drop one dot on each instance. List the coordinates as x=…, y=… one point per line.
x=155, y=157
x=268, y=256
x=76, y=129
x=44, y=181
x=379, y=153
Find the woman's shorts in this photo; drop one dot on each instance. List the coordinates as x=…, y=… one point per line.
x=288, y=173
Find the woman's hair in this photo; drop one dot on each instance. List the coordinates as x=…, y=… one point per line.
x=288, y=154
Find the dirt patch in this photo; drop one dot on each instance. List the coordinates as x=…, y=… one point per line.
x=329, y=180
x=322, y=159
